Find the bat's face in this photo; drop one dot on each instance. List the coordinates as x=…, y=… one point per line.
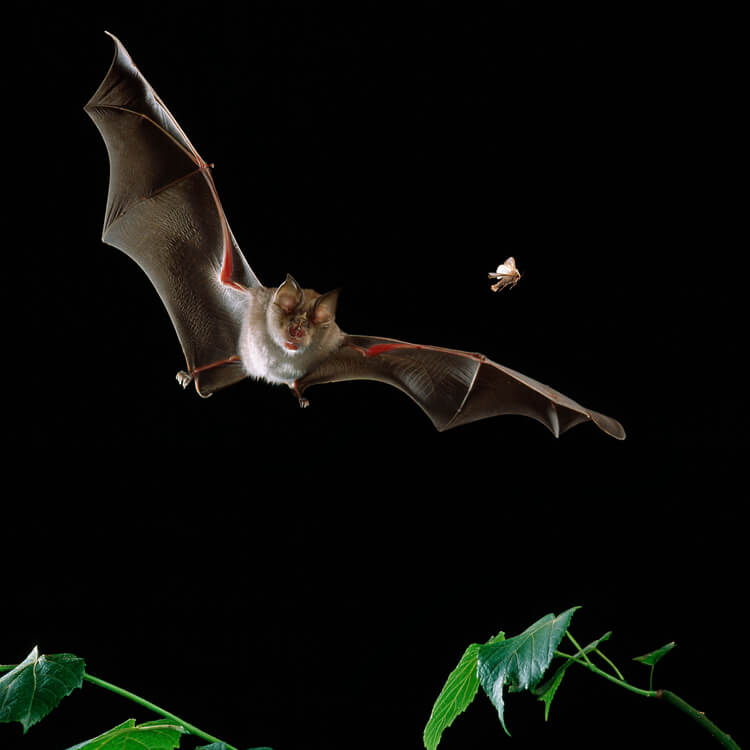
x=299, y=319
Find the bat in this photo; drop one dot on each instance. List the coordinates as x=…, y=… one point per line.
x=507, y=275
x=163, y=210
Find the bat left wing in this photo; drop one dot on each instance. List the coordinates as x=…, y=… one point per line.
x=163, y=211
x=454, y=387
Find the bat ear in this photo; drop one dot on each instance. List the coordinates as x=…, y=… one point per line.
x=324, y=309
x=289, y=295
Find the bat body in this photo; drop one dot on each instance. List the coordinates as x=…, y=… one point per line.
x=288, y=333
x=163, y=211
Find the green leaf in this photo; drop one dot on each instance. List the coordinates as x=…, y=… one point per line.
x=153, y=735
x=32, y=689
x=456, y=696
x=653, y=656
x=546, y=692
x=551, y=688
x=522, y=660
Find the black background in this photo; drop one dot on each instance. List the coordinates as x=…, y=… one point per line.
x=308, y=579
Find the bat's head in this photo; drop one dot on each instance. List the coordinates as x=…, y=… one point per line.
x=301, y=319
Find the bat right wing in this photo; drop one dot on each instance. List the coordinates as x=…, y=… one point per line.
x=454, y=387
x=164, y=212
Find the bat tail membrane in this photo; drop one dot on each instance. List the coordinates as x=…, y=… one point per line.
x=163, y=211
x=454, y=387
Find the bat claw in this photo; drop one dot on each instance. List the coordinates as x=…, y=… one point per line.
x=303, y=402
x=184, y=378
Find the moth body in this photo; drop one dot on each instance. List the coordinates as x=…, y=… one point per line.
x=507, y=275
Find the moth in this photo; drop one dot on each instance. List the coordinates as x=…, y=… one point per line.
x=507, y=275
x=163, y=210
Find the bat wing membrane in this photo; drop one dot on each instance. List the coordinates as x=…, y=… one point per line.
x=164, y=212
x=455, y=387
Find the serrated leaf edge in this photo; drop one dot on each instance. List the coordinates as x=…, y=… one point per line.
x=36, y=662
x=460, y=687
x=653, y=657
x=494, y=689
x=437, y=723
x=129, y=724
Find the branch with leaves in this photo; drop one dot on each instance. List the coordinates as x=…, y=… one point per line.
x=522, y=661
x=33, y=688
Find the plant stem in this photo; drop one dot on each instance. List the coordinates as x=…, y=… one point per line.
x=190, y=728
x=608, y=676
x=611, y=663
x=153, y=707
x=722, y=737
x=669, y=697
x=577, y=645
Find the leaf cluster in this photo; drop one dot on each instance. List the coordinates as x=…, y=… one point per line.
x=33, y=688
x=518, y=662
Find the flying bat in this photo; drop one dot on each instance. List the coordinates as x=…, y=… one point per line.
x=163, y=210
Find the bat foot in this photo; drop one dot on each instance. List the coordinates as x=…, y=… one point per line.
x=303, y=402
x=184, y=378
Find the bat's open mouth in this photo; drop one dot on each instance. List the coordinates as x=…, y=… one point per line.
x=296, y=331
